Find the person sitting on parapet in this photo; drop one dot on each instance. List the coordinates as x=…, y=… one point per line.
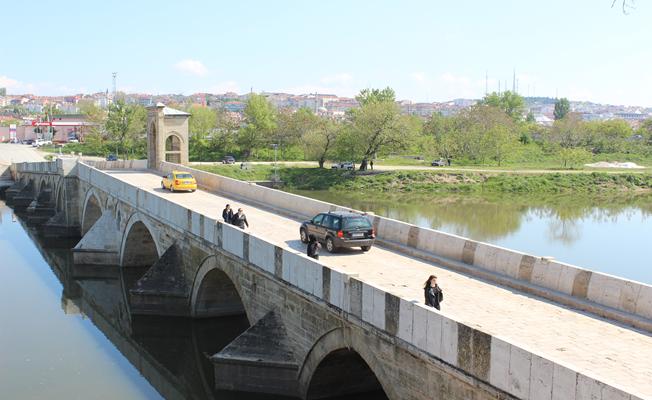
x=433, y=293
x=227, y=214
x=240, y=219
x=313, y=247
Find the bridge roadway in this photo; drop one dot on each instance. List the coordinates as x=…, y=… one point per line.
x=616, y=355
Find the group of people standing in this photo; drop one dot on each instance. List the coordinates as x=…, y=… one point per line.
x=238, y=219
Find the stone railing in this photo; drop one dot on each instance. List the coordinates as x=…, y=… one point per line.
x=616, y=298
x=506, y=366
x=42, y=167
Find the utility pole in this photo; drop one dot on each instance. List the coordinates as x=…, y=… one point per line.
x=514, y=82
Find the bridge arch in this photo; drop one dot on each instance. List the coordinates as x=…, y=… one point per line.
x=60, y=198
x=139, y=247
x=92, y=211
x=215, y=292
x=339, y=364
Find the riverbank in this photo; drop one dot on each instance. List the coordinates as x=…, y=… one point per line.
x=306, y=178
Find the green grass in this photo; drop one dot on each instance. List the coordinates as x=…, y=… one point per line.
x=416, y=181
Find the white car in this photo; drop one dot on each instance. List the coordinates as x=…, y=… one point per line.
x=41, y=142
x=343, y=165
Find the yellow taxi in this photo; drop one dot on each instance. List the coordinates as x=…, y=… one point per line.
x=179, y=180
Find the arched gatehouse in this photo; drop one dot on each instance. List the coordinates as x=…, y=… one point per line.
x=92, y=211
x=214, y=292
x=173, y=149
x=341, y=367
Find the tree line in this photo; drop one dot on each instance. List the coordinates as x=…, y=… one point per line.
x=494, y=131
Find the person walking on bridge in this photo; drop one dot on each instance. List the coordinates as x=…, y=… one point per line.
x=227, y=214
x=433, y=293
x=240, y=219
x=313, y=247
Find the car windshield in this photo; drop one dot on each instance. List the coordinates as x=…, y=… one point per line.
x=184, y=176
x=356, y=223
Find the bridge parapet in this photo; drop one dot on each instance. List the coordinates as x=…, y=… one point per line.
x=620, y=299
x=509, y=367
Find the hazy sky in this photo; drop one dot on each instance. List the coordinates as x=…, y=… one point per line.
x=426, y=50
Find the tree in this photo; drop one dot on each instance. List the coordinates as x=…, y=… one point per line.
x=260, y=124
x=125, y=125
x=511, y=103
x=443, y=136
x=479, y=133
x=293, y=125
x=201, y=125
x=568, y=132
x=367, y=96
x=319, y=142
x=499, y=141
x=562, y=108
x=645, y=130
x=608, y=136
x=571, y=157
x=378, y=125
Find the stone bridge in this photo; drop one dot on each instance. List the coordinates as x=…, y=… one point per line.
x=349, y=323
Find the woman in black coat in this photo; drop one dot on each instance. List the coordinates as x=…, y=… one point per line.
x=433, y=293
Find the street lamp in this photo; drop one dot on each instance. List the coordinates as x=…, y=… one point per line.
x=275, y=147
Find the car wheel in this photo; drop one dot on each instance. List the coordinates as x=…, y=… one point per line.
x=365, y=248
x=192, y=191
x=330, y=246
x=162, y=185
x=171, y=188
x=304, y=235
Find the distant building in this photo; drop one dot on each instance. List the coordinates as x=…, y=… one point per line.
x=543, y=120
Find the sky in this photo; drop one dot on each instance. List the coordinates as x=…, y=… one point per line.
x=425, y=50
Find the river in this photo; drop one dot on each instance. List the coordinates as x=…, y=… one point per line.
x=65, y=332
x=609, y=233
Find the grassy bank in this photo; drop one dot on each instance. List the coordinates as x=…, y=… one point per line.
x=302, y=178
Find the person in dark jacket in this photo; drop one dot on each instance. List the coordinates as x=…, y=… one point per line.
x=313, y=247
x=240, y=219
x=227, y=214
x=433, y=293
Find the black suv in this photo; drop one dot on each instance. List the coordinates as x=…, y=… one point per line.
x=339, y=229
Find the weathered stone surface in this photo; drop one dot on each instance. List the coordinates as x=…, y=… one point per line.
x=261, y=359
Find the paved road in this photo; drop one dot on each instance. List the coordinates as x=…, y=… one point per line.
x=615, y=355
x=18, y=153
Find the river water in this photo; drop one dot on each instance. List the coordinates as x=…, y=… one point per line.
x=608, y=233
x=65, y=332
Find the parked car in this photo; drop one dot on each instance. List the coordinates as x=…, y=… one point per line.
x=73, y=140
x=111, y=157
x=339, y=229
x=228, y=160
x=439, y=163
x=179, y=180
x=39, y=143
x=347, y=165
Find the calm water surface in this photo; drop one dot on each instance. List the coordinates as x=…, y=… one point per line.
x=65, y=332
x=609, y=234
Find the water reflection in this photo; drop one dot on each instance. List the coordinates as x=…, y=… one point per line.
x=170, y=353
x=580, y=229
